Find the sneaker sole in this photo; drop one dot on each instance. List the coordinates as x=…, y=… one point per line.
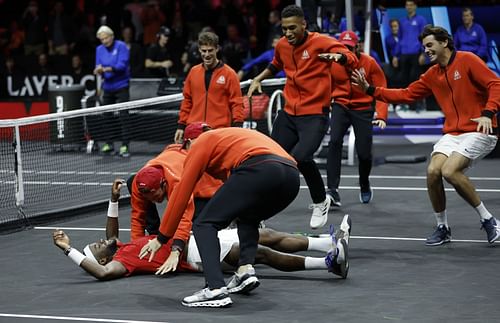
x=495, y=237
x=246, y=286
x=225, y=302
x=320, y=225
x=431, y=244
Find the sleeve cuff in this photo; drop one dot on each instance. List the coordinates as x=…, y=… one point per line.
x=488, y=113
x=272, y=68
x=181, y=126
x=162, y=238
x=343, y=59
x=370, y=90
x=237, y=124
x=178, y=244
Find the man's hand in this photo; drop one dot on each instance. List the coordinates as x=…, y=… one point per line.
x=484, y=125
x=380, y=123
x=98, y=70
x=179, y=136
x=61, y=239
x=329, y=57
x=358, y=79
x=170, y=264
x=115, y=189
x=254, y=85
x=151, y=247
x=166, y=64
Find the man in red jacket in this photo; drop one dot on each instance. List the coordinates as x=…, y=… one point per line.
x=351, y=106
x=299, y=128
x=212, y=91
x=468, y=93
x=260, y=179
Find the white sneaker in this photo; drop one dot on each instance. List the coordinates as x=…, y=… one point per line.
x=320, y=213
x=208, y=298
x=243, y=283
x=345, y=229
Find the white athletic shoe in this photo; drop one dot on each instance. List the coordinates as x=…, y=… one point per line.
x=320, y=213
x=345, y=229
x=208, y=298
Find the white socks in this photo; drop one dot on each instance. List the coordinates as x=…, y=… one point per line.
x=314, y=263
x=442, y=218
x=319, y=244
x=483, y=213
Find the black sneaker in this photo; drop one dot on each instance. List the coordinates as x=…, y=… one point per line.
x=243, y=283
x=334, y=197
x=208, y=298
x=440, y=236
x=492, y=229
x=366, y=195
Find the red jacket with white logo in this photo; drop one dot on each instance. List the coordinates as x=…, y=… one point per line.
x=220, y=105
x=216, y=152
x=308, y=84
x=352, y=97
x=171, y=160
x=466, y=88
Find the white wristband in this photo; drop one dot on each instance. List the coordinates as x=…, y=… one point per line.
x=113, y=209
x=76, y=256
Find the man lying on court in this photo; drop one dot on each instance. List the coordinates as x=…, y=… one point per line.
x=110, y=259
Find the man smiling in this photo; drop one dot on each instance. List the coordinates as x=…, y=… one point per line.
x=212, y=92
x=469, y=96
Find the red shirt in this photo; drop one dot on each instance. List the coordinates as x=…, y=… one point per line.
x=352, y=97
x=220, y=105
x=216, y=152
x=308, y=85
x=128, y=255
x=466, y=88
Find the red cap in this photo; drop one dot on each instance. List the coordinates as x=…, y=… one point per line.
x=349, y=38
x=149, y=178
x=194, y=129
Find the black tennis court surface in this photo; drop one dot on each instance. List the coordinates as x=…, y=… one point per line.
x=393, y=277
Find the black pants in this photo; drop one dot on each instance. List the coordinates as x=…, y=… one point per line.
x=301, y=137
x=361, y=121
x=111, y=97
x=255, y=191
x=410, y=71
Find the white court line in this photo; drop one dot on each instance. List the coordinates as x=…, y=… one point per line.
x=70, y=318
x=353, y=237
x=413, y=177
x=396, y=188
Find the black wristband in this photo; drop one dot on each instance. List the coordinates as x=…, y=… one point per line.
x=370, y=90
x=488, y=113
x=161, y=238
x=178, y=245
x=66, y=251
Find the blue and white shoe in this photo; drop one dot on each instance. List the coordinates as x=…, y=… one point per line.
x=440, y=236
x=492, y=229
x=337, y=260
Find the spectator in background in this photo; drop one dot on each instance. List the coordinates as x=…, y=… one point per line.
x=212, y=92
x=471, y=36
x=152, y=18
x=112, y=64
x=262, y=60
x=61, y=31
x=158, y=58
x=16, y=74
x=393, y=46
x=78, y=69
x=274, y=28
x=34, y=27
x=412, y=57
x=136, y=53
x=235, y=48
x=43, y=66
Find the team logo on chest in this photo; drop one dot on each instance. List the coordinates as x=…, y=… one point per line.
x=456, y=75
x=305, y=54
x=221, y=80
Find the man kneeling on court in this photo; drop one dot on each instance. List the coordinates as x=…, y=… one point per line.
x=110, y=259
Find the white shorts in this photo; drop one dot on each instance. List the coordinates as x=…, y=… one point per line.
x=473, y=145
x=227, y=238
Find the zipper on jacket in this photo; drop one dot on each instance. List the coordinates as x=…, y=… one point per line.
x=295, y=83
x=208, y=80
x=452, y=97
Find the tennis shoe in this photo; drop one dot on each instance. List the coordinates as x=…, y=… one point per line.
x=366, y=196
x=440, y=236
x=124, y=151
x=345, y=229
x=337, y=260
x=208, y=298
x=320, y=213
x=107, y=149
x=243, y=283
x=334, y=197
x=492, y=229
